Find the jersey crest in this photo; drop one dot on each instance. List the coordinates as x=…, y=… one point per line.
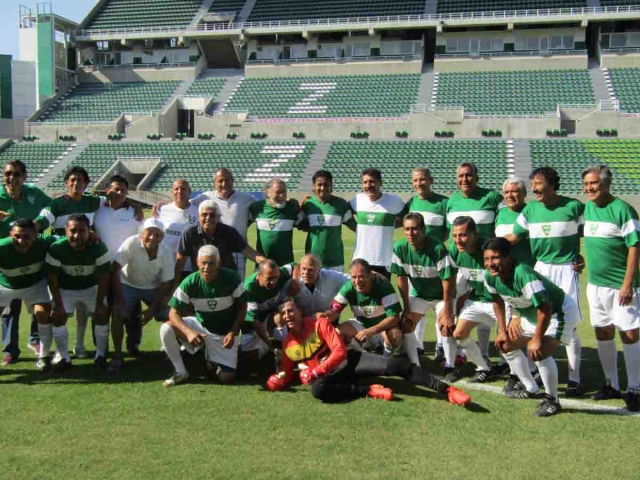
x=191, y=219
x=320, y=219
x=418, y=270
x=273, y=224
x=306, y=350
x=594, y=228
x=474, y=274
x=31, y=199
x=79, y=270
x=546, y=229
x=371, y=217
x=368, y=311
x=212, y=303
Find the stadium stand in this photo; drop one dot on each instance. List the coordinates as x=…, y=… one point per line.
x=327, y=96
x=252, y=163
x=144, y=13
x=570, y=157
x=614, y=3
x=227, y=5
x=513, y=93
x=458, y=6
x=396, y=160
x=271, y=10
x=206, y=87
x=38, y=157
x=100, y=102
x=626, y=86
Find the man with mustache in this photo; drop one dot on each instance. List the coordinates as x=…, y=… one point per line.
x=554, y=225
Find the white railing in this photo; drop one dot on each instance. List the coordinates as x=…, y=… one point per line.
x=142, y=65
x=621, y=50
x=349, y=59
x=422, y=108
x=331, y=119
x=506, y=116
x=372, y=21
x=520, y=53
x=235, y=111
x=137, y=157
x=581, y=106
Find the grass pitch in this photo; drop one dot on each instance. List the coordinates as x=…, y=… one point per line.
x=95, y=426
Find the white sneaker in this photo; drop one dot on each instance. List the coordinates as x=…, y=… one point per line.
x=176, y=379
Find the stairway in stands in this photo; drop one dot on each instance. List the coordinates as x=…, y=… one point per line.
x=315, y=163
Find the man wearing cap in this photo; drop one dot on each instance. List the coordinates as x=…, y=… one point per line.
x=143, y=271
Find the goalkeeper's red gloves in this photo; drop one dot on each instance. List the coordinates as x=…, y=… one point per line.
x=276, y=383
x=308, y=375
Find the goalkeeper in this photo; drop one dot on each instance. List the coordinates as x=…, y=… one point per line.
x=334, y=372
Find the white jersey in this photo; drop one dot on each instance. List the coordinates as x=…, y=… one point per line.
x=233, y=212
x=138, y=270
x=115, y=226
x=175, y=221
x=326, y=288
x=376, y=224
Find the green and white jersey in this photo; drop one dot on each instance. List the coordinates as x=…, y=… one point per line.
x=505, y=223
x=275, y=229
x=216, y=305
x=609, y=232
x=373, y=307
x=23, y=270
x=77, y=270
x=482, y=206
x=434, y=212
x=426, y=268
x=325, y=229
x=554, y=231
x=376, y=224
x=470, y=274
x=260, y=300
x=32, y=203
x=526, y=291
x=61, y=208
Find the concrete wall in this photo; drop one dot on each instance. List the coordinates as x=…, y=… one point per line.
x=83, y=133
x=332, y=68
x=11, y=128
x=510, y=62
x=579, y=34
x=169, y=119
x=620, y=60
x=141, y=126
x=125, y=74
x=627, y=126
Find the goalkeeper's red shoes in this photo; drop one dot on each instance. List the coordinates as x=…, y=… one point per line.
x=457, y=396
x=379, y=392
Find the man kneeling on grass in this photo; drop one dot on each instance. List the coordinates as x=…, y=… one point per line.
x=217, y=296
x=333, y=372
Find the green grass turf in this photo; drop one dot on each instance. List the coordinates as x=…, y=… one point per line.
x=94, y=426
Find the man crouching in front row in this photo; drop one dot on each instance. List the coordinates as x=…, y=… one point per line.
x=333, y=372
x=217, y=296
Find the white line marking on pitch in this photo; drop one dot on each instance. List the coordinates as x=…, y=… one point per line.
x=565, y=402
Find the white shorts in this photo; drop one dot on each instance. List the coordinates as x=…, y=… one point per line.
x=214, y=351
x=421, y=306
x=605, y=308
x=73, y=298
x=564, y=277
x=252, y=341
x=478, y=312
x=34, y=295
x=560, y=327
x=372, y=342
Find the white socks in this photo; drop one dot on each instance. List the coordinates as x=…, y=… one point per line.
x=573, y=357
x=519, y=366
x=102, y=340
x=549, y=373
x=171, y=347
x=438, y=335
x=632, y=361
x=484, y=336
x=450, y=347
x=410, y=345
x=608, y=355
x=419, y=333
x=61, y=336
x=81, y=330
x=45, y=332
x=474, y=354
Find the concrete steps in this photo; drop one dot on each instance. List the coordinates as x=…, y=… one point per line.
x=425, y=91
x=60, y=165
x=227, y=93
x=520, y=163
x=317, y=160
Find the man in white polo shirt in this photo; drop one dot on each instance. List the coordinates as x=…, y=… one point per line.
x=143, y=271
x=233, y=205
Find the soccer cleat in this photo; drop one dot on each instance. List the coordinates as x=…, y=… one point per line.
x=80, y=353
x=512, y=383
x=606, y=392
x=481, y=376
x=500, y=369
x=461, y=359
x=8, y=359
x=632, y=400
x=457, y=396
x=522, y=394
x=44, y=364
x=176, y=379
x=34, y=347
x=380, y=393
x=62, y=367
x=100, y=362
x=452, y=375
x=573, y=390
x=548, y=407
x=116, y=364
x=439, y=357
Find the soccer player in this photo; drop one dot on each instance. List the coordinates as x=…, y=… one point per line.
x=177, y=217
x=22, y=255
x=216, y=295
x=426, y=280
x=482, y=205
x=143, y=271
x=514, y=191
x=375, y=305
x=554, y=225
x=612, y=241
x=377, y=214
x=78, y=274
x=474, y=303
x=317, y=286
x=233, y=206
x=325, y=214
x=547, y=318
x=333, y=372
x=18, y=199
